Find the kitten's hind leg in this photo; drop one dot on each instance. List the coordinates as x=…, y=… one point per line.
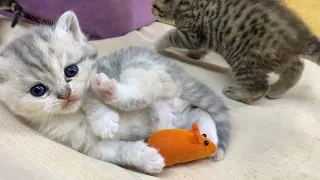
x=136, y=90
x=120, y=96
x=190, y=114
x=253, y=85
x=104, y=87
x=208, y=127
x=287, y=80
x=179, y=39
x=125, y=153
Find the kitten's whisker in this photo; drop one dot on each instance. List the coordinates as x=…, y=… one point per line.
x=36, y=117
x=49, y=119
x=52, y=114
x=42, y=124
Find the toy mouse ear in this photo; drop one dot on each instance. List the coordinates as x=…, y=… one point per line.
x=196, y=131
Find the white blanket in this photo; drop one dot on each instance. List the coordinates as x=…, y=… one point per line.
x=271, y=139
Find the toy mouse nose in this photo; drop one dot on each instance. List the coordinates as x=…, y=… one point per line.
x=64, y=93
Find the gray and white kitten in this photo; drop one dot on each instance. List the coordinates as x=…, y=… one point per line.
x=46, y=77
x=256, y=37
x=16, y=8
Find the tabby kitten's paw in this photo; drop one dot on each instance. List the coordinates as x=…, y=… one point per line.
x=240, y=94
x=104, y=124
x=274, y=93
x=230, y=92
x=237, y=94
x=162, y=44
x=196, y=54
x=152, y=161
x=104, y=87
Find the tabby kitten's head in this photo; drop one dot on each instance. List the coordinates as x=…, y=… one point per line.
x=47, y=70
x=165, y=9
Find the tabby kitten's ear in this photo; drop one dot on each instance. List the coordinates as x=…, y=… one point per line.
x=68, y=22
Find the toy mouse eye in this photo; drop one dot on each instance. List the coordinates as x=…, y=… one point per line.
x=204, y=135
x=206, y=143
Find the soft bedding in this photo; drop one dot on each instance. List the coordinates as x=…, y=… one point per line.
x=271, y=139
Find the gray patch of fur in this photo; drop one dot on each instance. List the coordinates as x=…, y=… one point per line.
x=195, y=92
x=41, y=57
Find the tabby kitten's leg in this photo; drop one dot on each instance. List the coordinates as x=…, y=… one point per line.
x=196, y=54
x=179, y=39
x=125, y=153
x=103, y=120
x=287, y=80
x=252, y=85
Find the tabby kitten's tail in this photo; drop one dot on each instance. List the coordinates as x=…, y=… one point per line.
x=313, y=50
x=198, y=63
x=203, y=97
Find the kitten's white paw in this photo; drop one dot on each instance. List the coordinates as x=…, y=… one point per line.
x=104, y=86
x=152, y=161
x=105, y=124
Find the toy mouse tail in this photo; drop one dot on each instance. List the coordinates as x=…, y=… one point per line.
x=203, y=97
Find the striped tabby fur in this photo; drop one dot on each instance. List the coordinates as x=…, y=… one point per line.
x=255, y=37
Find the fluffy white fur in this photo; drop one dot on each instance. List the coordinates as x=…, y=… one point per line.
x=104, y=123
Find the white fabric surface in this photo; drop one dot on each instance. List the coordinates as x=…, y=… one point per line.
x=271, y=139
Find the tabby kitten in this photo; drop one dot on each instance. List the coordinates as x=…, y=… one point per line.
x=256, y=37
x=15, y=7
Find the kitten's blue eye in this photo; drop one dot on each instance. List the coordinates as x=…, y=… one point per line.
x=38, y=90
x=71, y=71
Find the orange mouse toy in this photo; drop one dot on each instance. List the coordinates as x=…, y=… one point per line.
x=180, y=146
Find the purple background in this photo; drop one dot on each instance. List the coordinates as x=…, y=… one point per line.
x=99, y=19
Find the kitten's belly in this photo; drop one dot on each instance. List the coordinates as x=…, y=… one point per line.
x=74, y=130
x=137, y=125
x=169, y=112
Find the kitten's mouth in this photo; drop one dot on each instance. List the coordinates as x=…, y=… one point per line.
x=68, y=103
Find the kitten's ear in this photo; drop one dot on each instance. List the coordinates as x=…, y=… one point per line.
x=68, y=22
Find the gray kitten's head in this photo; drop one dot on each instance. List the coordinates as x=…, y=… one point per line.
x=165, y=9
x=47, y=70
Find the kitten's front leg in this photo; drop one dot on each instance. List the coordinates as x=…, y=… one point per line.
x=179, y=39
x=103, y=120
x=125, y=153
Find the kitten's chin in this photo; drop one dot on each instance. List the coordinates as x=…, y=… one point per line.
x=70, y=107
